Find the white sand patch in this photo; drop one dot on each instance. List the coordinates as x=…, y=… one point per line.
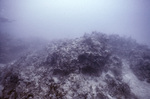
x=139, y=88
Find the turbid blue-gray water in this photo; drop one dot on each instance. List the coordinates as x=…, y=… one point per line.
x=74, y=49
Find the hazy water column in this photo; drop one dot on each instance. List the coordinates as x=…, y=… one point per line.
x=72, y=18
